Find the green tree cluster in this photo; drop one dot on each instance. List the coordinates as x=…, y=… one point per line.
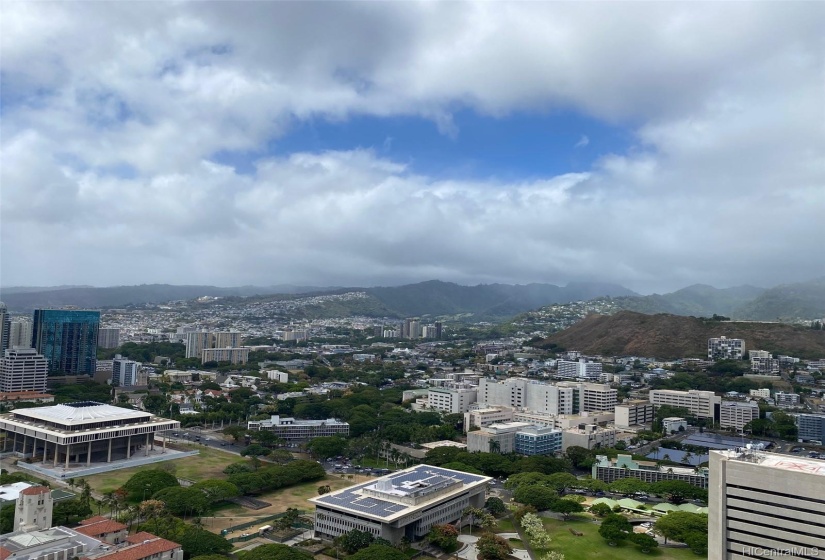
x=279, y=476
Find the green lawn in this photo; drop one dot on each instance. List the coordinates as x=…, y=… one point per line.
x=592, y=546
x=516, y=543
x=209, y=464
x=505, y=526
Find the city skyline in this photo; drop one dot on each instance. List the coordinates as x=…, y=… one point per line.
x=358, y=144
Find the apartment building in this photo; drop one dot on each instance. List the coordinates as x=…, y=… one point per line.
x=788, y=400
x=702, y=404
x=125, y=372
x=811, y=427
x=765, y=366
x=765, y=505
x=760, y=354
x=761, y=393
x=231, y=355
x=108, y=337
x=452, y=400
x=20, y=333
x=736, y=414
x=724, y=348
x=291, y=429
x=634, y=413
x=581, y=369
x=623, y=466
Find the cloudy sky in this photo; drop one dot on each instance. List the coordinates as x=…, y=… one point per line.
x=654, y=145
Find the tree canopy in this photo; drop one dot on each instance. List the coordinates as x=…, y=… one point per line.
x=148, y=482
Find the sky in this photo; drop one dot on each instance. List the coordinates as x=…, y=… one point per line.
x=649, y=144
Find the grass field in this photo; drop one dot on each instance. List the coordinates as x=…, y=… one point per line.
x=516, y=543
x=592, y=546
x=209, y=464
x=505, y=526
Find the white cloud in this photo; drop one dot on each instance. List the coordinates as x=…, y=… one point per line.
x=724, y=98
x=583, y=141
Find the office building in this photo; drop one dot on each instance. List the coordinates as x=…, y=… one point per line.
x=564, y=397
x=724, y=348
x=634, y=413
x=405, y=504
x=5, y=328
x=291, y=429
x=764, y=505
x=33, y=511
x=673, y=424
x=82, y=432
x=495, y=438
x=810, y=427
x=702, y=404
x=623, y=466
x=736, y=414
x=452, y=400
x=21, y=334
x=509, y=392
x=23, y=369
x=108, y=338
x=596, y=397
x=788, y=400
x=538, y=440
x=481, y=416
x=231, y=355
x=125, y=372
x=67, y=339
x=581, y=369
x=589, y=436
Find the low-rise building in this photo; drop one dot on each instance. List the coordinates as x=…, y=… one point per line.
x=104, y=529
x=404, y=504
x=673, y=424
x=761, y=393
x=495, y=438
x=291, y=429
x=788, y=400
x=811, y=427
x=623, y=466
x=589, y=436
x=143, y=546
x=484, y=416
x=54, y=543
x=536, y=440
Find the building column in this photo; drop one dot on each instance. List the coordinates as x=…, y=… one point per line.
x=128, y=447
x=14, y=445
x=109, y=459
x=68, y=453
x=5, y=441
x=45, y=450
x=164, y=443
x=146, y=447
x=56, y=453
x=152, y=441
x=25, y=441
x=89, y=455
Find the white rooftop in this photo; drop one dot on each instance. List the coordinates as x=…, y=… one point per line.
x=12, y=491
x=797, y=464
x=81, y=413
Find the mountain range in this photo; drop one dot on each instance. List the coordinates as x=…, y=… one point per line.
x=788, y=302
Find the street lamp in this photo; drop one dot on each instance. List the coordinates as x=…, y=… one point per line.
x=145, y=488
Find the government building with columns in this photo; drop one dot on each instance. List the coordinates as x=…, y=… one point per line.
x=81, y=433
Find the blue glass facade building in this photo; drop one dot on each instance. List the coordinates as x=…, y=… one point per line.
x=537, y=440
x=67, y=339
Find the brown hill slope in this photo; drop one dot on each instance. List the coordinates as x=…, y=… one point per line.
x=672, y=336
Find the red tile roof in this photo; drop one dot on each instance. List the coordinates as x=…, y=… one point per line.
x=100, y=528
x=94, y=519
x=141, y=551
x=4, y=553
x=137, y=538
x=35, y=491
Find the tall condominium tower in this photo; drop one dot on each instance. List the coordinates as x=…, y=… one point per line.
x=5, y=328
x=67, y=339
x=23, y=369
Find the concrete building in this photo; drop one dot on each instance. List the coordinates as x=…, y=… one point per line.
x=55, y=543
x=125, y=372
x=405, y=504
x=82, y=432
x=760, y=354
x=452, y=400
x=765, y=505
x=108, y=337
x=141, y=546
x=231, y=355
x=596, y=397
x=736, y=414
x=673, y=424
x=564, y=397
x=589, y=436
x=33, y=511
x=23, y=370
x=788, y=400
x=623, y=466
x=765, y=366
x=811, y=427
x=291, y=429
x=104, y=529
x=581, y=369
x=510, y=392
x=279, y=376
x=634, y=413
x=20, y=333
x=196, y=342
x=761, y=393
x=537, y=440
x=482, y=417
x=228, y=339
x=495, y=438
x=5, y=328
x=724, y=348
x=67, y=339
x=702, y=404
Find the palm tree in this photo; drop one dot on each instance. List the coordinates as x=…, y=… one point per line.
x=495, y=446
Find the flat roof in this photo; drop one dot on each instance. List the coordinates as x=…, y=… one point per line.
x=354, y=499
x=790, y=463
x=715, y=441
x=75, y=414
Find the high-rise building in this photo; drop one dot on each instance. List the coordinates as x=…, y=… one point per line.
x=108, y=338
x=452, y=400
x=702, y=404
x=578, y=370
x=737, y=414
x=196, y=342
x=764, y=505
x=125, y=372
x=226, y=339
x=23, y=369
x=5, y=328
x=439, y=329
x=21, y=333
x=724, y=348
x=231, y=355
x=67, y=339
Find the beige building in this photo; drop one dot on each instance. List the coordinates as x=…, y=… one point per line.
x=765, y=505
x=23, y=369
x=736, y=414
x=495, y=438
x=231, y=355
x=702, y=404
x=483, y=417
x=589, y=436
x=634, y=413
x=451, y=400
x=33, y=511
